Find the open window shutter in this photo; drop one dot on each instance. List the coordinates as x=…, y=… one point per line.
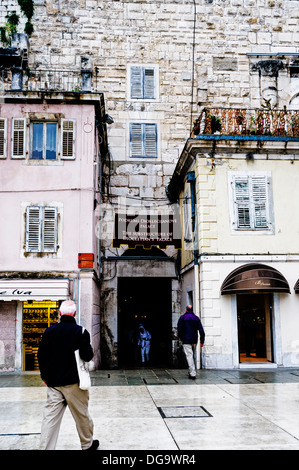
x=136, y=140
x=18, y=138
x=187, y=219
x=149, y=83
x=49, y=230
x=150, y=140
x=242, y=202
x=260, y=203
x=3, y=137
x=33, y=229
x=68, y=139
x=136, y=82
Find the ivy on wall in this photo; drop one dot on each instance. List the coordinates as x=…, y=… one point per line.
x=13, y=19
x=27, y=7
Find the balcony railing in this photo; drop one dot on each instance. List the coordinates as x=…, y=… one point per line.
x=247, y=122
x=47, y=80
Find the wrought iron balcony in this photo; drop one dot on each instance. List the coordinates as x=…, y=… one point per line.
x=15, y=79
x=247, y=122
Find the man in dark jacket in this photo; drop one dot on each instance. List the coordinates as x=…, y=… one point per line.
x=58, y=369
x=188, y=327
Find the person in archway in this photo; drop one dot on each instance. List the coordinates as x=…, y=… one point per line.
x=189, y=325
x=144, y=341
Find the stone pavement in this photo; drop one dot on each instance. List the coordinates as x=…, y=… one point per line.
x=162, y=410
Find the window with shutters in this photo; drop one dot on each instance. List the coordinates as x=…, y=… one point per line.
x=49, y=141
x=143, y=83
x=251, y=194
x=143, y=140
x=3, y=137
x=41, y=229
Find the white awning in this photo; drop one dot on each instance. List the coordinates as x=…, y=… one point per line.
x=34, y=289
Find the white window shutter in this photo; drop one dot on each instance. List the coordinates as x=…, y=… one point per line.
x=136, y=82
x=41, y=229
x=49, y=230
x=3, y=137
x=260, y=203
x=33, y=229
x=18, y=147
x=68, y=129
x=149, y=83
x=150, y=140
x=242, y=202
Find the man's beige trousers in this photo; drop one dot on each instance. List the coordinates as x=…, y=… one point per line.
x=190, y=352
x=58, y=399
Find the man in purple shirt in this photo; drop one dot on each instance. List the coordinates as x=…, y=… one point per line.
x=188, y=327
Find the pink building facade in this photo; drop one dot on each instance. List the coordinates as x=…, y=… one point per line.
x=50, y=150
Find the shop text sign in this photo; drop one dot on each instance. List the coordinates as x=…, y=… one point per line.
x=14, y=292
x=147, y=230
x=34, y=289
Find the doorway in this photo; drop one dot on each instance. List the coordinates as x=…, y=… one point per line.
x=255, y=335
x=147, y=301
x=37, y=316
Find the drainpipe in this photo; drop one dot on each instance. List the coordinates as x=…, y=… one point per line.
x=191, y=178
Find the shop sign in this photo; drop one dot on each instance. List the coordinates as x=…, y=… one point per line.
x=18, y=289
x=147, y=230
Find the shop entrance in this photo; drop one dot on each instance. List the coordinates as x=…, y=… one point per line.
x=146, y=301
x=255, y=327
x=37, y=316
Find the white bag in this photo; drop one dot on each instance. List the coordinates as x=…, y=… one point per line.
x=83, y=371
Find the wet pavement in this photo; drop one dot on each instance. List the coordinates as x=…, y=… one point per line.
x=163, y=410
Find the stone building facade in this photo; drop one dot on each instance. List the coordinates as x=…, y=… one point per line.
x=158, y=65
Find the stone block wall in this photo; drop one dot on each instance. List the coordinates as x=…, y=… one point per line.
x=7, y=335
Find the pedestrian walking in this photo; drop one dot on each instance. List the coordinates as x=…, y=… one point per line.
x=189, y=325
x=144, y=341
x=58, y=369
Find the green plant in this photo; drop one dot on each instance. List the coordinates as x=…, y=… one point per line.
x=27, y=7
x=11, y=25
x=9, y=28
x=215, y=124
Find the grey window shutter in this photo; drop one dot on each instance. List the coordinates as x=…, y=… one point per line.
x=33, y=229
x=49, y=230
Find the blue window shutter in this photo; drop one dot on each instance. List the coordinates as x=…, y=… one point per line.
x=136, y=82
x=149, y=83
x=143, y=140
x=136, y=145
x=142, y=83
x=150, y=140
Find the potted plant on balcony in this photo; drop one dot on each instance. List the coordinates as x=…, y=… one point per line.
x=215, y=124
